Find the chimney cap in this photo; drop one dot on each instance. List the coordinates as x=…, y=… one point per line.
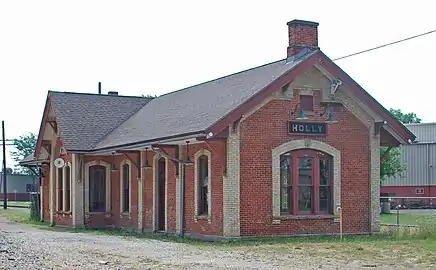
x=302, y=22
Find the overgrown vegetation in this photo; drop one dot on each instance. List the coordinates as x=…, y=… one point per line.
x=33, y=211
x=391, y=164
x=24, y=146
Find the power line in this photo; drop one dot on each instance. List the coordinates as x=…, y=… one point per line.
x=385, y=45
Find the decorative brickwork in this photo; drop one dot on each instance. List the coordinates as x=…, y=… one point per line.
x=231, y=186
x=196, y=183
x=301, y=144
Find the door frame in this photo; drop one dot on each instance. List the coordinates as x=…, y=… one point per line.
x=156, y=192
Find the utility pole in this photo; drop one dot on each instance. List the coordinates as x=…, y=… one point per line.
x=5, y=193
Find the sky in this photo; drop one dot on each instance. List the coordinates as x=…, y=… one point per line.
x=155, y=47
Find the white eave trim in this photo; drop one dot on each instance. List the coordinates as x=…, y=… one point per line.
x=140, y=146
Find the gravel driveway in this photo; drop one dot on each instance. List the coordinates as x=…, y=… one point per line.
x=24, y=247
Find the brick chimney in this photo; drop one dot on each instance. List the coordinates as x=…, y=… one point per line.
x=302, y=34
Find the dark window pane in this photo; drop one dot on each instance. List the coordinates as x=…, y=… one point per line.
x=97, y=188
x=203, y=179
x=305, y=171
x=306, y=102
x=67, y=188
x=126, y=188
x=305, y=199
x=324, y=172
x=324, y=198
x=60, y=189
x=285, y=173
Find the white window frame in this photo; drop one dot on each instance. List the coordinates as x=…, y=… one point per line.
x=64, y=171
x=57, y=189
x=108, y=185
x=125, y=162
x=197, y=155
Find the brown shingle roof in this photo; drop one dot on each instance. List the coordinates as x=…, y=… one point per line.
x=91, y=122
x=85, y=119
x=196, y=108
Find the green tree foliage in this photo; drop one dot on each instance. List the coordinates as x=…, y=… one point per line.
x=405, y=118
x=149, y=96
x=9, y=171
x=391, y=165
x=24, y=146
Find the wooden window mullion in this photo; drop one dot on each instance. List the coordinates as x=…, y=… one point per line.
x=295, y=190
x=316, y=184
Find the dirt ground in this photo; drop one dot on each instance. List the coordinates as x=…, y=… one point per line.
x=25, y=247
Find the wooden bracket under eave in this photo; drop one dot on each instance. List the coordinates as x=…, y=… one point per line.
x=51, y=120
x=46, y=144
x=377, y=128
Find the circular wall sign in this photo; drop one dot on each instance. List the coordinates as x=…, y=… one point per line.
x=59, y=163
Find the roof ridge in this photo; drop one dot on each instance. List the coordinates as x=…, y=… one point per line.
x=222, y=77
x=176, y=91
x=96, y=94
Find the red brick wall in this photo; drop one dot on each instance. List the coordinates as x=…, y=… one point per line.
x=147, y=195
x=116, y=219
x=148, y=191
x=201, y=226
x=267, y=129
x=46, y=193
x=301, y=35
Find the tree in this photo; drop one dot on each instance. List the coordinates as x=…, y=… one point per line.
x=405, y=118
x=9, y=170
x=24, y=146
x=390, y=164
x=149, y=96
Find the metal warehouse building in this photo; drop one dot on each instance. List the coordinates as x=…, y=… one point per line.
x=420, y=158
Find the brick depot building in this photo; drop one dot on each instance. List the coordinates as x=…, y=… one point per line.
x=273, y=150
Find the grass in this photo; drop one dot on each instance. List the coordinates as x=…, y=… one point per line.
x=394, y=247
x=392, y=236
x=18, y=204
x=405, y=218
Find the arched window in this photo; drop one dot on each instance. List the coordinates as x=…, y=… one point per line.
x=125, y=188
x=306, y=182
x=203, y=184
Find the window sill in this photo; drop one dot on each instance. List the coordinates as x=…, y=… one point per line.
x=304, y=217
x=206, y=217
x=106, y=214
x=63, y=212
x=125, y=214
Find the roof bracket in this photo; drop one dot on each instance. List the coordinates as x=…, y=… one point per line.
x=335, y=85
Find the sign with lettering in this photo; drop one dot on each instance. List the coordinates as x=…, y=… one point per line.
x=309, y=128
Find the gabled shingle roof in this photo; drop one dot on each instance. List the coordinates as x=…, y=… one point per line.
x=85, y=119
x=196, y=108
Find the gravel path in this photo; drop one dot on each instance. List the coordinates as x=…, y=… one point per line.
x=24, y=247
